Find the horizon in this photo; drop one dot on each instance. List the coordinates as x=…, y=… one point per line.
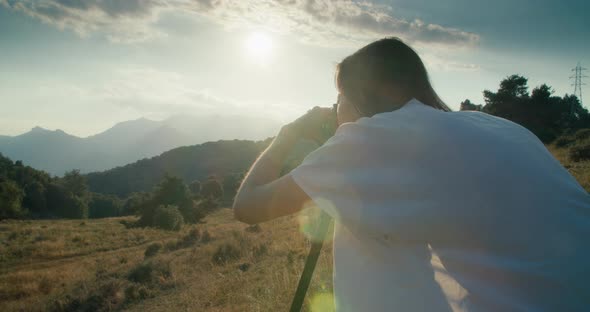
x=117, y=123
x=85, y=67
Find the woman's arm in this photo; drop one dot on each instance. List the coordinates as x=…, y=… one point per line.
x=264, y=195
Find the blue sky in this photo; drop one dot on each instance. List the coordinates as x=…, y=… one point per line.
x=82, y=66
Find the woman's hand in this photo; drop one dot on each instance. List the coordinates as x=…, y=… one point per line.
x=318, y=124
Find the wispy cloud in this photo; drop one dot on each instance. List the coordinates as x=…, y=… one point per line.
x=320, y=22
x=119, y=21
x=158, y=92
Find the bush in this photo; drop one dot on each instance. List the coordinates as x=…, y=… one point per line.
x=259, y=251
x=137, y=292
x=191, y=212
x=106, y=297
x=149, y=272
x=193, y=236
x=563, y=141
x=206, y=237
x=186, y=241
x=255, y=228
x=580, y=151
x=582, y=134
x=226, y=253
x=168, y=218
x=152, y=250
x=208, y=205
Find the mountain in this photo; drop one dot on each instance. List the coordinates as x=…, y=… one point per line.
x=44, y=149
x=188, y=162
x=57, y=152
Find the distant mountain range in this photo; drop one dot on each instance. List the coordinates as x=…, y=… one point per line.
x=57, y=152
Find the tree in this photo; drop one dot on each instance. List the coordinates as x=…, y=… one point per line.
x=171, y=191
x=195, y=188
x=468, y=106
x=510, y=100
x=35, y=198
x=231, y=183
x=104, y=206
x=74, y=182
x=10, y=200
x=211, y=189
x=544, y=114
x=63, y=203
x=134, y=203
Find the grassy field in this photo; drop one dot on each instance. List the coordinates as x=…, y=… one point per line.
x=219, y=265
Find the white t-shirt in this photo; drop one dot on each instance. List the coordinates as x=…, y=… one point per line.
x=449, y=211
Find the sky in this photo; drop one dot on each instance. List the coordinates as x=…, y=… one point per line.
x=82, y=66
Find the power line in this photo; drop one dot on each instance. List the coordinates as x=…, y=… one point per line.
x=577, y=76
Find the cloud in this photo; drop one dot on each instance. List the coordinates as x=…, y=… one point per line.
x=119, y=21
x=159, y=92
x=319, y=22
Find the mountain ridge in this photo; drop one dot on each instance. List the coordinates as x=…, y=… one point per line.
x=56, y=151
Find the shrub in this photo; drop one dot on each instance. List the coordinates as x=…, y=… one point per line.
x=186, y=241
x=152, y=250
x=259, y=251
x=168, y=218
x=255, y=228
x=149, y=272
x=191, y=238
x=226, y=253
x=582, y=134
x=563, y=141
x=206, y=237
x=580, y=151
x=45, y=285
x=208, y=205
x=107, y=297
x=136, y=293
x=191, y=211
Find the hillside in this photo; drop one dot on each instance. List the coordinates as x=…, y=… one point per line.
x=189, y=163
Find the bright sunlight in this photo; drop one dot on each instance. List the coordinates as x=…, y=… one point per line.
x=259, y=47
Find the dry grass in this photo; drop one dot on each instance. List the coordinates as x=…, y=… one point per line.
x=76, y=265
x=580, y=170
x=88, y=266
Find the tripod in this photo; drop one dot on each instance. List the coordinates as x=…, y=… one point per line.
x=321, y=231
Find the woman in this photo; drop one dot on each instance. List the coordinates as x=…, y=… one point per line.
x=434, y=210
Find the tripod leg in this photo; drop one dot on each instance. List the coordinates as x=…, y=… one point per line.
x=310, y=262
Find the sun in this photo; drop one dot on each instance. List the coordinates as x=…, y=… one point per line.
x=259, y=46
